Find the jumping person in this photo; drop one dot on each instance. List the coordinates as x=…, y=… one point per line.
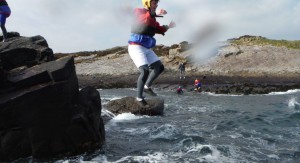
x=141, y=41
x=4, y=13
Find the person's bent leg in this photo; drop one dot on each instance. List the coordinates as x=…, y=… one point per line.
x=138, y=55
x=144, y=73
x=156, y=69
x=2, y=25
x=181, y=74
x=4, y=32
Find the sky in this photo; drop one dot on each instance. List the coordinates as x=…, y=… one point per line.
x=89, y=25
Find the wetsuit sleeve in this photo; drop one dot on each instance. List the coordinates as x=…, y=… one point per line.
x=161, y=29
x=144, y=17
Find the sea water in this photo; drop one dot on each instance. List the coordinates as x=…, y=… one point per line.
x=203, y=127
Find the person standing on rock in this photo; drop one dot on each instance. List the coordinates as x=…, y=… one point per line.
x=141, y=43
x=181, y=69
x=4, y=13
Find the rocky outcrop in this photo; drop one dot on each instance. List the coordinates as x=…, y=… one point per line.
x=130, y=105
x=24, y=51
x=255, y=61
x=42, y=112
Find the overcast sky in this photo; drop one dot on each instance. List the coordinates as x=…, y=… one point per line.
x=88, y=25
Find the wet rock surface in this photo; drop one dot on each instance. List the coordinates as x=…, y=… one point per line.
x=131, y=105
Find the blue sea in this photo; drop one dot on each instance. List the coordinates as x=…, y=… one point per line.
x=203, y=127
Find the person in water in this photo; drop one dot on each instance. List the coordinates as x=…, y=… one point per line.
x=141, y=43
x=4, y=13
x=179, y=90
x=197, y=85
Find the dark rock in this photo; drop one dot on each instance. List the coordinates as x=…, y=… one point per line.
x=206, y=150
x=87, y=127
x=25, y=51
x=42, y=112
x=10, y=35
x=2, y=75
x=29, y=78
x=130, y=105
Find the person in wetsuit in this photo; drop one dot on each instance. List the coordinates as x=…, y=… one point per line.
x=179, y=90
x=141, y=43
x=197, y=85
x=181, y=69
x=4, y=13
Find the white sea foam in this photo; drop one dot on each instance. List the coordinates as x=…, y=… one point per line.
x=150, y=158
x=285, y=93
x=200, y=109
x=126, y=117
x=107, y=113
x=272, y=156
x=106, y=100
x=134, y=131
x=214, y=94
x=214, y=156
x=165, y=131
x=294, y=104
x=114, y=98
x=99, y=158
x=159, y=157
x=235, y=135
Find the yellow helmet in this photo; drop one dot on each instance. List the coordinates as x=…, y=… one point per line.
x=146, y=3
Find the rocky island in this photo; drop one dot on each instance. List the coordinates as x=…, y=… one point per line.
x=244, y=65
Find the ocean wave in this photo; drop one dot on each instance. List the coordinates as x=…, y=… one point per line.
x=127, y=117
x=165, y=131
x=124, y=117
x=214, y=94
x=149, y=158
x=285, y=93
x=294, y=104
x=205, y=153
x=107, y=113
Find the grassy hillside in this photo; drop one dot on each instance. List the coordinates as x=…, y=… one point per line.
x=258, y=40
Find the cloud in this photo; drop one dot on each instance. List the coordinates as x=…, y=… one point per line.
x=71, y=26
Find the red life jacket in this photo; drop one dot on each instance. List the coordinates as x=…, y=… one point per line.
x=146, y=24
x=197, y=81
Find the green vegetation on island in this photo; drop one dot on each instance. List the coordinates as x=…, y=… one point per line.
x=258, y=40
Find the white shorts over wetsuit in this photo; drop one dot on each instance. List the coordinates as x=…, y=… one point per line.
x=148, y=64
x=141, y=55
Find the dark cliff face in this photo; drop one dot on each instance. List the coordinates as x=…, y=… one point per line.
x=24, y=51
x=42, y=112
